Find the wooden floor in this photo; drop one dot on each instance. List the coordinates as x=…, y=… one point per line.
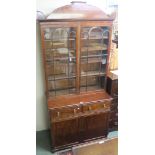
x=109, y=147
x=105, y=147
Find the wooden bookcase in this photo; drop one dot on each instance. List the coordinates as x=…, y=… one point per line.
x=76, y=54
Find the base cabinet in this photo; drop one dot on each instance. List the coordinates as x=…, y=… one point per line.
x=77, y=123
x=64, y=132
x=79, y=130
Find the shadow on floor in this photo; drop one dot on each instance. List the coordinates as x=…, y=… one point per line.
x=43, y=143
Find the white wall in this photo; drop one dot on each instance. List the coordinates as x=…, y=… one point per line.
x=47, y=6
x=41, y=106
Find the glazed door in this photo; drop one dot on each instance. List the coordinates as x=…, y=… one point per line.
x=94, y=46
x=59, y=47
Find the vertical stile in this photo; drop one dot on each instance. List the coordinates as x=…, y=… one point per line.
x=53, y=52
x=78, y=62
x=108, y=54
x=68, y=62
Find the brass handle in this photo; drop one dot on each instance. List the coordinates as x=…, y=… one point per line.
x=89, y=107
x=74, y=111
x=58, y=113
x=104, y=105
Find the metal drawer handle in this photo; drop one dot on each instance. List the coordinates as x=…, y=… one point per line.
x=58, y=113
x=89, y=107
x=104, y=105
x=74, y=111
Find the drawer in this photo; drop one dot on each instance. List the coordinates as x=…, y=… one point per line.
x=67, y=112
x=96, y=105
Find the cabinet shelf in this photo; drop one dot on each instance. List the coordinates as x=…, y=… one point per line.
x=92, y=56
x=94, y=48
x=92, y=73
x=95, y=38
x=84, y=74
x=90, y=88
x=62, y=92
x=58, y=89
x=63, y=50
x=60, y=77
x=62, y=39
x=91, y=59
x=61, y=59
x=73, y=39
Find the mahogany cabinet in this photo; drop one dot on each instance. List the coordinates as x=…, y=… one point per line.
x=76, y=43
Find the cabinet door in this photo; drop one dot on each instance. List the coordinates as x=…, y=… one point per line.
x=59, y=44
x=93, y=56
x=64, y=132
x=94, y=126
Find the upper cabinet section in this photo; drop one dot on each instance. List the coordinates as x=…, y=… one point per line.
x=78, y=10
x=76, y=45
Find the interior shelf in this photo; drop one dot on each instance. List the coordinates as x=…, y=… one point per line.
x=94, y=38
x=61, y=39
x=90, y=88
x=92, y=73
x=60, y=77
x=62, y=92
x=94, y=60
x=61, y=59
x=93, y=48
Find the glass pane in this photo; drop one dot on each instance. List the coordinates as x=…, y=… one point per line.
x=60, y=55
x=94, y=46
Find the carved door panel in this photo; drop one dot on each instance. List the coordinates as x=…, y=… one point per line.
x=65, y=132
x=94, y=126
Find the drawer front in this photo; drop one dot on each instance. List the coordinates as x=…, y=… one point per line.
x=67, y=112
x=96, y=105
